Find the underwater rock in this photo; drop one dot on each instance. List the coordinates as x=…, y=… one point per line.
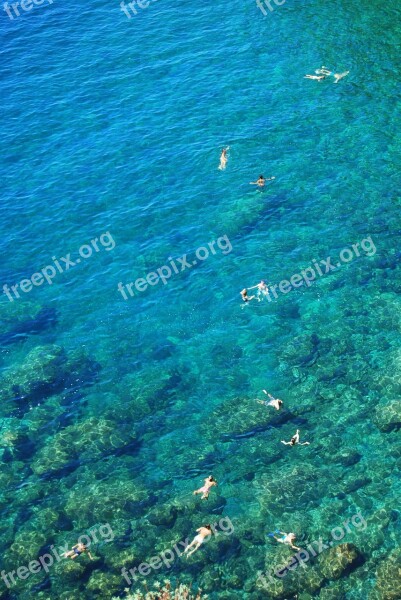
x=26, y=547
x=40, y=373
x=70, y=570
x=276, y=491
x=388, y=578
x=44, y=319
x=14, y=437
x=334, y=591
x=145, y=393
x=355, y=483
x=86, y=440
x=45, y=371
x=346, y=457
x=127, y=558
x=80, y=370
x=273, y=587
x=301, y=351
x=14, y=314
x=338, y=561
x=104, y=585
x=388, y=416
x=120, y=498
x=164, y=516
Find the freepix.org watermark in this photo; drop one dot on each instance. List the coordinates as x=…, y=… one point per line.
x=130, y=8
x=167, y=557
x=46, y=560
x=175, y=266
x=302, y=556
x=49, y=272
x=25, y=5
x=306, y=276
x=268, y=4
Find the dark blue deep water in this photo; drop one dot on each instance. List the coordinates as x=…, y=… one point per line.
x=116, y=405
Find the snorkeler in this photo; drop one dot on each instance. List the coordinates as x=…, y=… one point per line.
x=295, y=440
x=261, y=181
x=245, y=297
x=287, y=539
x=223, y=158
x=203, y=533
x=323, y=71
x=76, y=551
x=205, y=490
x=317, y=77
x=276, y=402
x=262, y=288
x=338, y=76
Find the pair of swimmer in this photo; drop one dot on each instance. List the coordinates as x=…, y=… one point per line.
x=260, y=182
x=205, y=489
x=262, y=289
x=324, y=72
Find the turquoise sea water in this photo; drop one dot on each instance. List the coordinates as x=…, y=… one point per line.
x=113, y=411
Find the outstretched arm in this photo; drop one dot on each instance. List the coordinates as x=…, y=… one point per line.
x=286, y=443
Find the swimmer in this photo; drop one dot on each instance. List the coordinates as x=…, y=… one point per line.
x=203, y=533
x=276, y=402
x=338, y=76
x=209, y=483
x=287, y=539
x=295, y=440
x=261, y=181
x=76, y=551
x=245, y=297
x=262, y=288
x=223, y=158
x=317, y=77
x=323, y=71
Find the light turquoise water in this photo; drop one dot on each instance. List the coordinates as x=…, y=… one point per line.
x=114, y=411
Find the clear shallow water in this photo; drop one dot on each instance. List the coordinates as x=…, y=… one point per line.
x=116, y=125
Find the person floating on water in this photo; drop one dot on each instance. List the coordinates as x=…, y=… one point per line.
x=338, y=76
x=261, y=181
x=245, y=297
x=205, y=490
x=223, y=158
x=276, y=402
x=262, y=289
x=76, y=551
x=286, y=538
x=317, y=77
x=295, y=440
x=203, y=533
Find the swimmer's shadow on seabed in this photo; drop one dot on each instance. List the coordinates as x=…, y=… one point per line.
x=274, y=206
x=275, y=423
